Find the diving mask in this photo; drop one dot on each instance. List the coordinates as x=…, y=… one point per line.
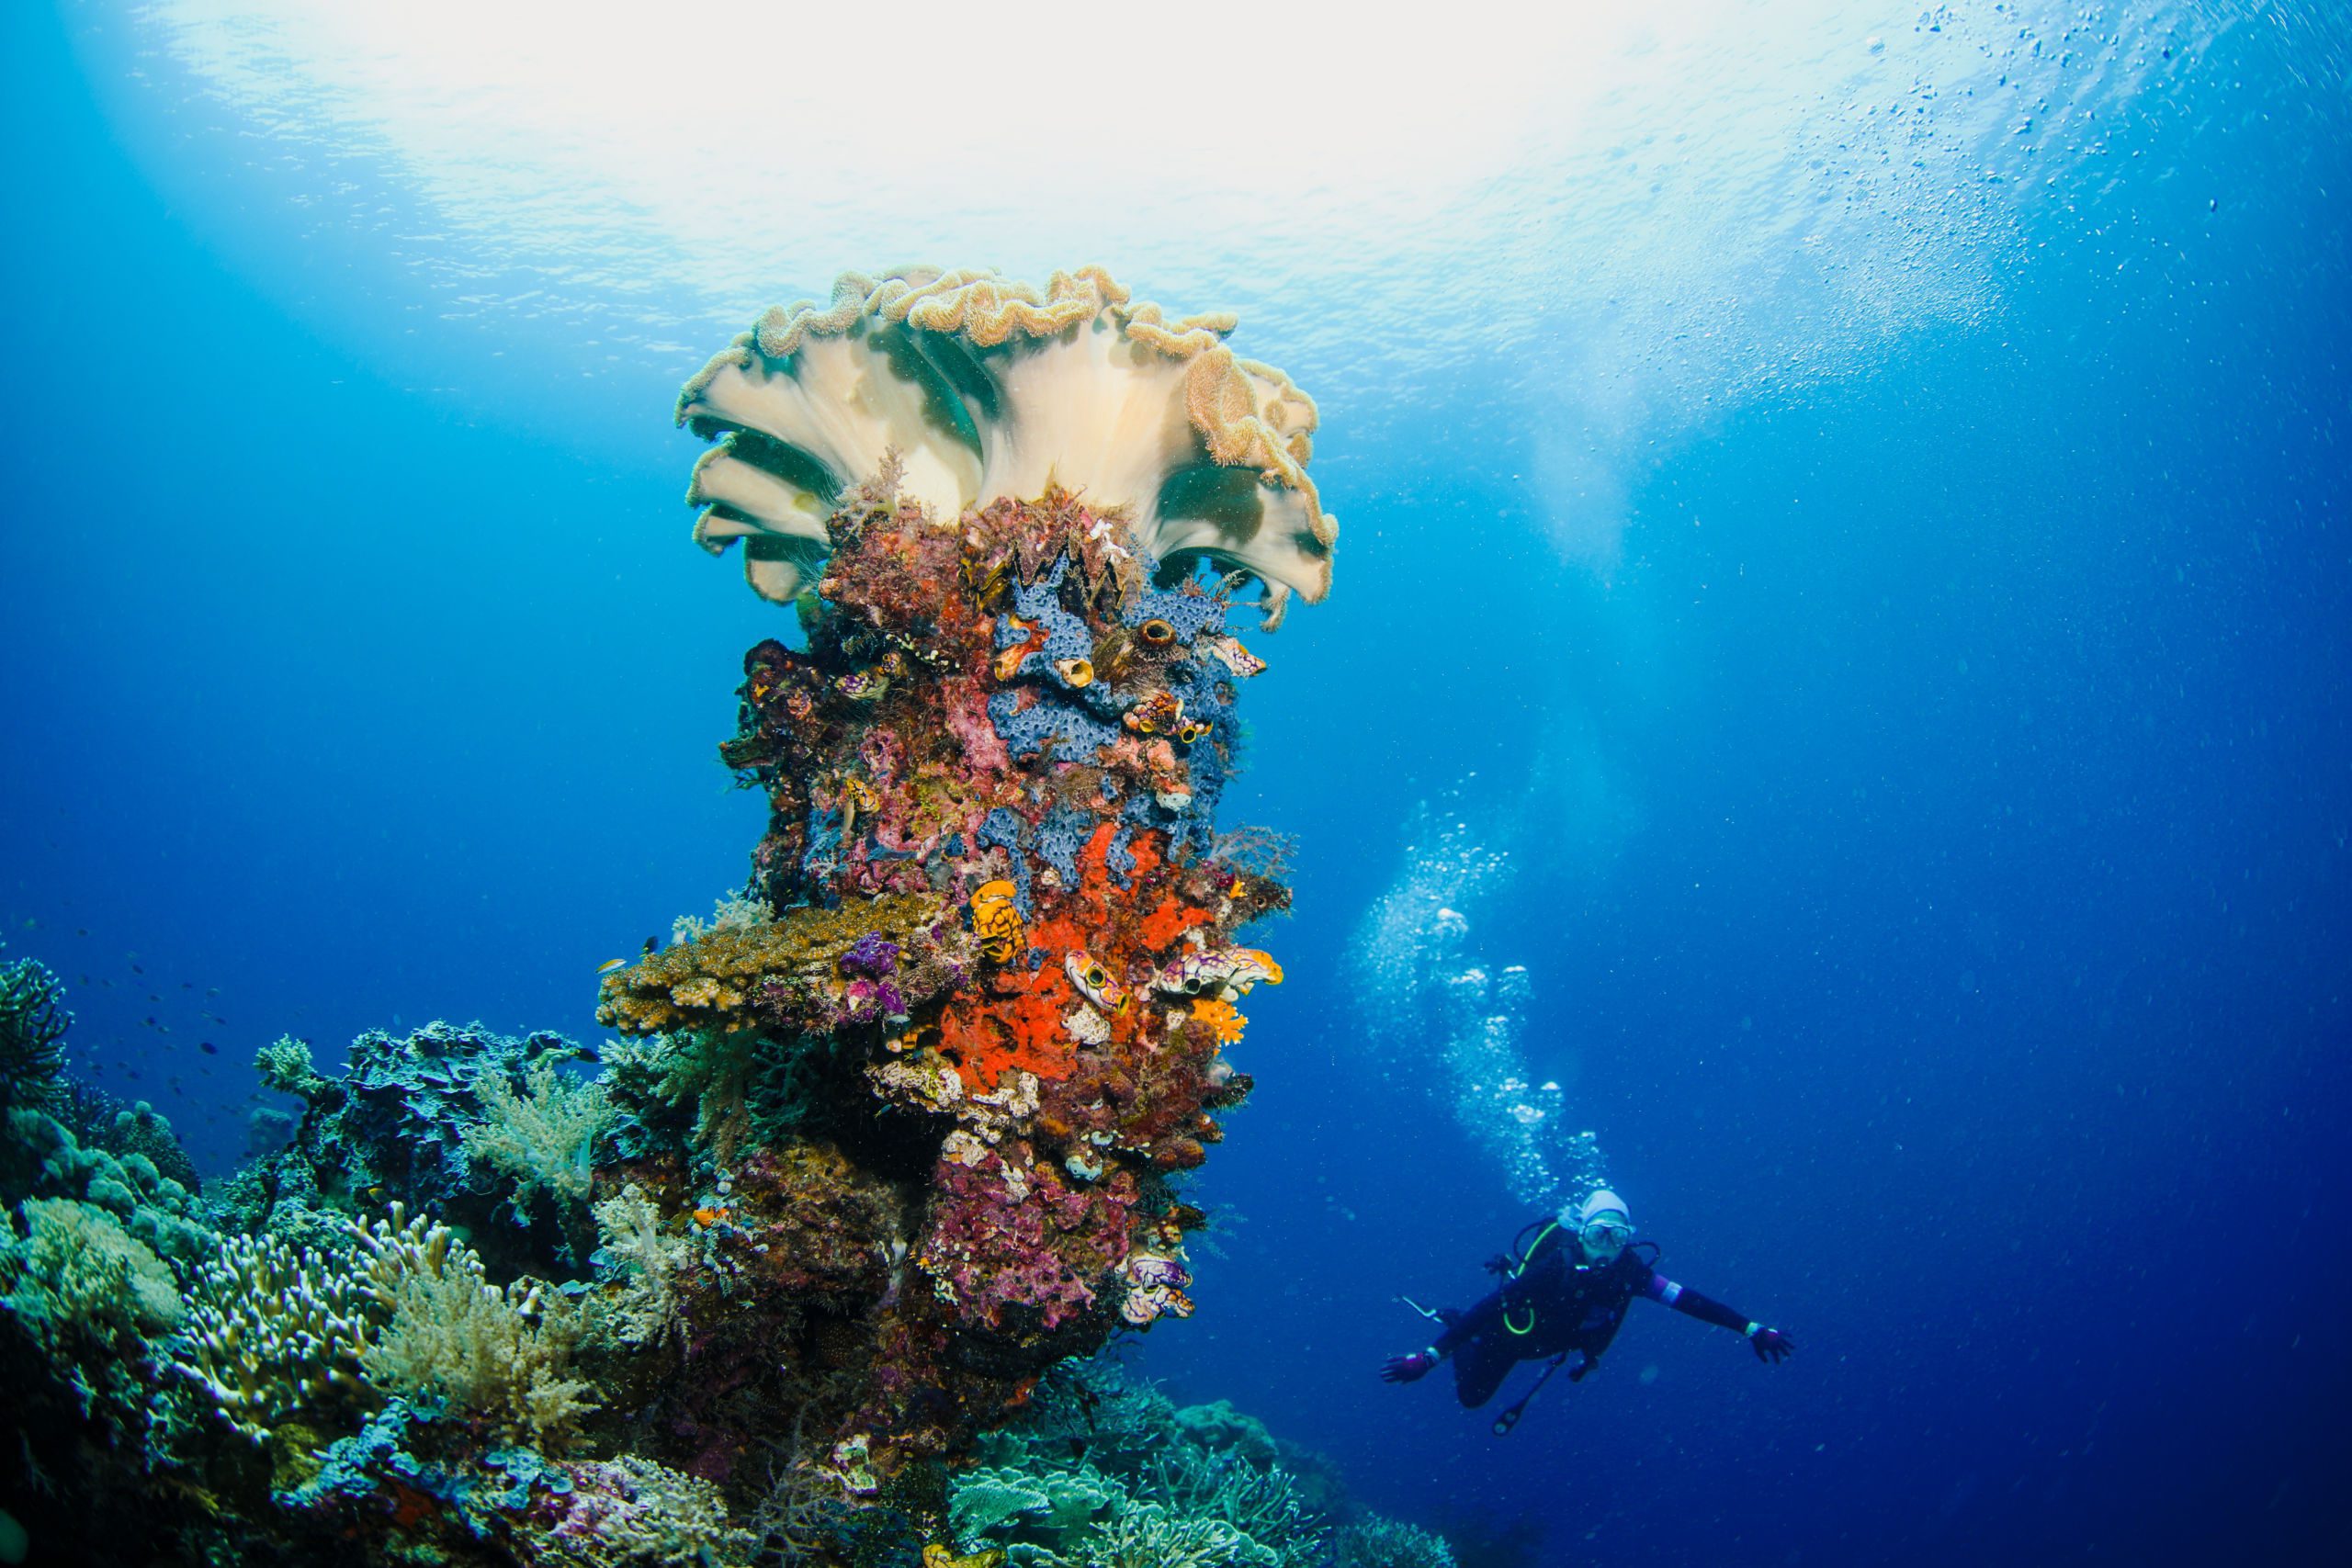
x=1605, y=1235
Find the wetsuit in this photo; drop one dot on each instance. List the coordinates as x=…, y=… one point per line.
x=1554, y=1306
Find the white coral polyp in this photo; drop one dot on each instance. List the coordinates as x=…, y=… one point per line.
x=987, y=390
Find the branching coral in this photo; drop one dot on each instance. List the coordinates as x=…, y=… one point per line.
x=286, y=1064
x=733, y=912
x=1150, y=1535
x=1222, y=1019
x=455, y=1340
x=985, y=389
x=274, y=1329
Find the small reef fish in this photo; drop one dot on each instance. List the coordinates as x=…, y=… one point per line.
x=609, y=964
x=1220, y=975
x=1094, y=982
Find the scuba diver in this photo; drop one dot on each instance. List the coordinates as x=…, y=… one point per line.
x=1563, y=1295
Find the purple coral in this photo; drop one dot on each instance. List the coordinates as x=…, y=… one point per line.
x=872, y=955
x=872, y=960
x=870, y=1000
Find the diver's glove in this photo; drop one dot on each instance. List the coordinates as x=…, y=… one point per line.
x=1770, y=1344
x=1409, y=1368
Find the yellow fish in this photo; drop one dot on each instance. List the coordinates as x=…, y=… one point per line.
x=609, y=964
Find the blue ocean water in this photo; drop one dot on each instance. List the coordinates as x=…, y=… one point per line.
x=1900, y=732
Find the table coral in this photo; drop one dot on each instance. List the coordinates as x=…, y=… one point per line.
x=799, y=971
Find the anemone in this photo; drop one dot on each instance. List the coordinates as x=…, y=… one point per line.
x=982, y=389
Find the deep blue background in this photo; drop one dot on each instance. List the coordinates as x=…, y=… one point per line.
x=1965, y=990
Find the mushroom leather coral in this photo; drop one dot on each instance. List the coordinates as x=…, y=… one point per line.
x=986, y=389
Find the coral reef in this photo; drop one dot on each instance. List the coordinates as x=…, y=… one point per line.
x=1024, y=951
x=413, y=1481
x=990, y=903
x=485, y=1130
x=1389, y=1544
x=886, y=1148
x=1103, y=1473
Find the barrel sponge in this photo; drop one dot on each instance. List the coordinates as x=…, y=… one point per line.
x=985, y=388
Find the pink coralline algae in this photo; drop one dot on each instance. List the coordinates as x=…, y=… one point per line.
x=1015, y=1244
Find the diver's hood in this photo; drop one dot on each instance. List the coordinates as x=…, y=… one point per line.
x=1600, y=1201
